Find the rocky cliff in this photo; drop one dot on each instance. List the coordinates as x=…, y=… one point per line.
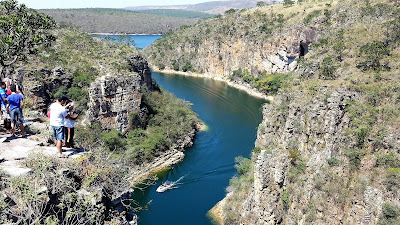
x=113, y=98
x=308, y=168
x=327, y=150
x=247, y=43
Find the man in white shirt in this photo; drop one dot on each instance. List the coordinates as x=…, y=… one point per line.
x=58, y=113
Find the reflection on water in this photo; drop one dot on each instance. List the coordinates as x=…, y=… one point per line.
x=232, y=117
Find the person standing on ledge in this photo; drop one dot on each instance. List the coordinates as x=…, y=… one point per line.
x=58, y=113
x=14, y=107
x=69, y=125
x=3, y=100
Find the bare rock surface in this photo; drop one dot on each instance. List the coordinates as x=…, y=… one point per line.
x=13, y=150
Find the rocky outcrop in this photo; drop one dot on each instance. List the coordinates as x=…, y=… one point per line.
x=40, y=86
x=113, y=98
x=220, y=55
x=300, y=133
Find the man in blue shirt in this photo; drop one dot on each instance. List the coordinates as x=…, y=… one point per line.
x=3, y=105
x=14, y=106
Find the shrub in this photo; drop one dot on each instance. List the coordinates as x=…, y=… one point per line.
x=333, y=162
x=271, y=83
x=393, y=178
x=243, y=165
x=312, y=15
x=390, y=214
x=187, y=67
x=362, y=133
x=327, y=68
x=296, y=170
x=161, y=66
x=388, y=160
x=355, y=156
x=288, y=3
x=230, y=11
x=257, y=150
x=372, y=53
x=113, y=141
x=285, y=198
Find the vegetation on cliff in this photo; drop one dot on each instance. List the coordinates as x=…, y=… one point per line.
x=22, y=31
x=355, y=57
x=95, y=188
x=328, y=148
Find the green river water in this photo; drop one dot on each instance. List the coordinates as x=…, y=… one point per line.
x=232, y=117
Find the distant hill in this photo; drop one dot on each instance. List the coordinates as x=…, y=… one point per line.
x=214, y=7
x=100, y=20
x=176, y=13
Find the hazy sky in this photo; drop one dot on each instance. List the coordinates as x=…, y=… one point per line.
x=47, y=4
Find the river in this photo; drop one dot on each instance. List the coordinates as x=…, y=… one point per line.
x=232, y=117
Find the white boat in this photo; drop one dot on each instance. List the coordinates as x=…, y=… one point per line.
x=165, y=186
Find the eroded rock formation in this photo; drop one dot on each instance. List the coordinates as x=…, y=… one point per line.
x=112, y=98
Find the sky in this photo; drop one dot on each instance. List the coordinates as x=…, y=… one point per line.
x=51, y=4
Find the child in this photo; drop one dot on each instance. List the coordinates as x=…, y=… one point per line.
x=69, y=126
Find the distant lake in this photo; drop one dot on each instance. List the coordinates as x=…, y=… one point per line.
x=141, y=41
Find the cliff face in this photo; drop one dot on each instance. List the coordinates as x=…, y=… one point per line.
x=255, y=42
x=267, y=55
x=327, y=150
x=304, y=172
x=308, y=132
x=112, y=98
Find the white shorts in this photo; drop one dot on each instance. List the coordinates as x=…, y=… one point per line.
x=4, y=111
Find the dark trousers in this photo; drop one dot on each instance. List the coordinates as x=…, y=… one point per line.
x=69, y=136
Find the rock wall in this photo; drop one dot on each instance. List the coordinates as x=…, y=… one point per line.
x=221, y=57
x=302, y=133
x=112, y=98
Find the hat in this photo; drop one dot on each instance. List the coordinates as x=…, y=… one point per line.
x=63, y=98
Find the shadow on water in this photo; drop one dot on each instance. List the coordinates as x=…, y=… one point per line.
x=232, y=117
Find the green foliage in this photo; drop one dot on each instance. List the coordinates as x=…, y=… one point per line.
x=175, y=65
x=371, y=55
x=393, y=178
x=355, y=156
x=285, y=199
x=390, y=214
x=114, y=140
x=388, y=160
x=22, y=32
x=176, y=13
x=327, y=68
x=297, y=168
x=311, y=16
x=61, y=91
x=187, y=67
x=288, y=3
x=294, y=156
x=266, y=28
x=362, y=133
x=124, y=21
x=261, y=4
x=243, y=165
x=161, y=66
x=333, y=162
x=271, y=83
x=257, y=150
x=170, y=119
x=230, y=11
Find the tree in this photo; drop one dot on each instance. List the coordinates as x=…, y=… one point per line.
x=22, y=32
x=288, y=2
x=261, y=4
x=230, y=11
